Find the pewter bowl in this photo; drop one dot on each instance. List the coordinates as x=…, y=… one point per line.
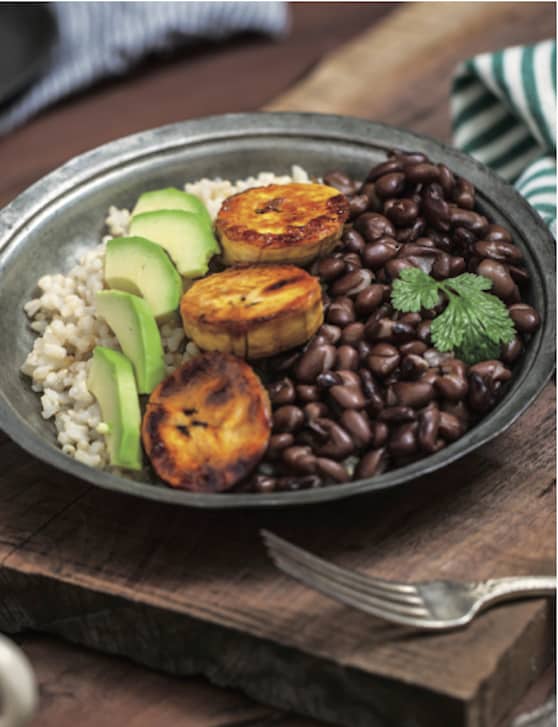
x=47, y=227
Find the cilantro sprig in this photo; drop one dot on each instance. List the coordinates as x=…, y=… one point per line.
x=474, y=323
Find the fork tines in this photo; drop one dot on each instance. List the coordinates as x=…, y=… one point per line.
x=391, y=600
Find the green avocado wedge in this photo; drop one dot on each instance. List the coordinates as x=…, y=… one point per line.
x=141, y=267
x=170, y=199
x=111, y=381
x=187, y=238
x=133, y=323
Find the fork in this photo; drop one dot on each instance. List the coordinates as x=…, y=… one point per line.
x=437, y=604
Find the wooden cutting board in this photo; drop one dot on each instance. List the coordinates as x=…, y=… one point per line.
x=188, y=591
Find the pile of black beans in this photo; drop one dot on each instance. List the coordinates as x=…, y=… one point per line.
x=369, y=392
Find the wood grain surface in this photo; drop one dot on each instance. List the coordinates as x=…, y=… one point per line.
x=192, y=592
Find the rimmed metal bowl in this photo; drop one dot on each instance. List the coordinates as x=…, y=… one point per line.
x=47, y=227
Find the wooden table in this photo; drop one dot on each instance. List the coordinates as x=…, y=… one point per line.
x=398, y=72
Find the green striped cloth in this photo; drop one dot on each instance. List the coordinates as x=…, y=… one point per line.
x=503, y=109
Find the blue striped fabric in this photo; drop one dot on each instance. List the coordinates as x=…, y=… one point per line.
x=504, y=114
x=100, y=39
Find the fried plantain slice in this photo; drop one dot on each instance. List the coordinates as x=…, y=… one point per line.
x=207, y=425
x=253, y=311
x=281, y=223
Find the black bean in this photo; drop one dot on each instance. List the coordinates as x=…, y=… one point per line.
x=372, y=392
x=480, y=397
x=383, y=359
x=413, y=366
x=392, y=165
x=452, y=384
x=502, y=282
x=352, y=261
x=408, y=157
x=348, y=377
x=374, y=226
x=331, y=268
x=415, y=394
x=307, y=392
x=463, y=238
x=347, y=357
x=435, y=208
x=330, y=469
x=327, y=380
x=299, y=458
x=403, y=440
x=512, y=351
x=330, y=333
x=341, y=182
x=429, y=423
x=378, y=253
x=375, y=204
x=358, y=426
x=315, y=410
x=338, y=444
x=397, y=414
x=413, y=347
x=282, y=391
x=520, y=275
x=423, y=332
x=390, y=185
x=446, y=179
x=497, y=233
x=457, y=265
x=525, y=317
x=450, y=427
x=498, y=250
x=402, y=212
x=423, y=173
x=352, y=333
x=386, y=329
x=341, y=312
x=469, y=219
x=412, y=319
x=313, y=362
x=353, y=241
x=441, y=268
x=287, y=418
x=464, y=194
x=412, y=232
x=358, y=204
x=278, y=442
x=394, y=268
x=380, y=434
x=373, y=463
x=347, y=397
x=352, y=283
x=491, y=370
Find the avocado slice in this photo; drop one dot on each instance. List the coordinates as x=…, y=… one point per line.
x=111, y=381
x=170, y=199
x=139, y=266
x=133, y=323
x=186, y=237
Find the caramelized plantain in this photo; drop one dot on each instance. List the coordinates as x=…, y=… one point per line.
x=253, y=311
x=281, y=223
x=208, y=424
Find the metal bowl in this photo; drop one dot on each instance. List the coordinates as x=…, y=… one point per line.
x=47, y=227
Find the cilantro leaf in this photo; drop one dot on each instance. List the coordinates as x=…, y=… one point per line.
x=474, y=323
x=414, y=290
x=468, y=283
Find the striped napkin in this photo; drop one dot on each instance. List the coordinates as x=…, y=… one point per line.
x=503, y=109
x=100, y=39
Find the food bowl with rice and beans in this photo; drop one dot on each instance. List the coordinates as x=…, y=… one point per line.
x=369, y=308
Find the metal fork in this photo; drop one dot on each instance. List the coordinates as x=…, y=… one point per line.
x=424, y=605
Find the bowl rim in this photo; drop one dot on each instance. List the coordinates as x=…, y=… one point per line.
x=96, y=163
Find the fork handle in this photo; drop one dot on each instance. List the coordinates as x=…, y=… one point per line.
x=506, y=589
